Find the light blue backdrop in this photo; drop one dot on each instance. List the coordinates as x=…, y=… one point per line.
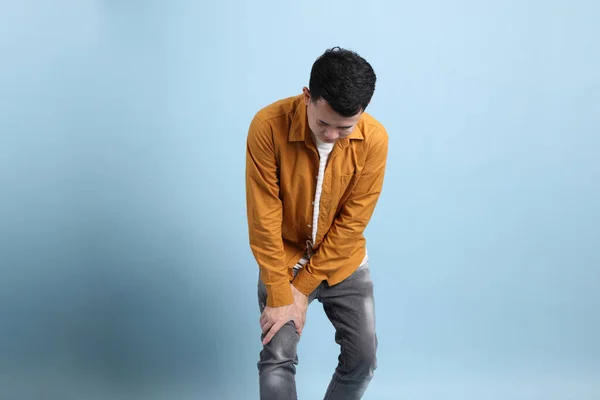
x=125, y=267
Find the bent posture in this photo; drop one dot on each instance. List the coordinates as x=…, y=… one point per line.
x=315, y=166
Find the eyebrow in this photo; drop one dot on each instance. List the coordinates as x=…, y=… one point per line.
x=343, y=127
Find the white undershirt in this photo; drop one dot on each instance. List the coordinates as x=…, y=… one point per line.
x=324, y=150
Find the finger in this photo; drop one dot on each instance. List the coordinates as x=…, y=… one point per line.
x=266, y=325
x=268, y=321
x=266, y=312
x=299, y=321
x=299, y=327
x=274, y=329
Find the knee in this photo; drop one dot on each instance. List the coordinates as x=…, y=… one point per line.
x=363, y=362
x=282, y=347
x=368, y=356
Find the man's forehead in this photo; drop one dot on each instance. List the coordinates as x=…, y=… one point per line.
x=329, y=116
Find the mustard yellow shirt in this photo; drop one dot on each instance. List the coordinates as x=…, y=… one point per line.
x=281, y=170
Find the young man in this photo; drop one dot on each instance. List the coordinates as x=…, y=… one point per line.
x=315, y=165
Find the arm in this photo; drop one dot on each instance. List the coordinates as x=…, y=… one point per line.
x=350, y=223
x=264, y=211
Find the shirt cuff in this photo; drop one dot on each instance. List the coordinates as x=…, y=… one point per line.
x=279, y=294
x=305, y=281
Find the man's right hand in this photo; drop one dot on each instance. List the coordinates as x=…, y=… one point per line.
x=273, y=318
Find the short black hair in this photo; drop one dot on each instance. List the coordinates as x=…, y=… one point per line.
x=344, y=79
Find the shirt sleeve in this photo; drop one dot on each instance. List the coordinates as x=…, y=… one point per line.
x=264, y=213
x=350, y=223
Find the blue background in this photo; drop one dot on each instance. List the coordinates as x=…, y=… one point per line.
x=125, y=266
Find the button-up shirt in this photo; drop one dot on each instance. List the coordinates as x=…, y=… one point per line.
x=281, y=174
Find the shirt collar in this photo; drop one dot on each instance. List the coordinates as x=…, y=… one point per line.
x=300, y=131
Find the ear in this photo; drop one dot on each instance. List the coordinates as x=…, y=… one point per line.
x=306, y=95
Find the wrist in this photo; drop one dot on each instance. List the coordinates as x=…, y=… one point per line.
x=296, y=292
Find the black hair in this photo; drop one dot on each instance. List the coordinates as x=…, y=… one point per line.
x=344, y=79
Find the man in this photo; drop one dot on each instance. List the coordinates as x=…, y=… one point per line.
x=315, y=165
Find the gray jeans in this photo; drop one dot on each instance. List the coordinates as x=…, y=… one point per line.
x=350, y=307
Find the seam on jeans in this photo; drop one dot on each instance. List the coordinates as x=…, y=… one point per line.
x=333, y=387
x=342, y=345
x=342, y=353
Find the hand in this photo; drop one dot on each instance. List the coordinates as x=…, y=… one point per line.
x=301, y=302
x=273, y=318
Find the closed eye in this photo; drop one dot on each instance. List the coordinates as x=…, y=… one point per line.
x=339, y=127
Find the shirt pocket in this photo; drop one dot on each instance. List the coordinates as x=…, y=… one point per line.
x=345, y=184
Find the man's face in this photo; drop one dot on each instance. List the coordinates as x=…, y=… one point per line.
x=325, y=123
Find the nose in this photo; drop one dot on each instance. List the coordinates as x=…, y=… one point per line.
x=331, y=134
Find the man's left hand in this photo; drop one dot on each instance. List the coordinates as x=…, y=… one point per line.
x=301, y=302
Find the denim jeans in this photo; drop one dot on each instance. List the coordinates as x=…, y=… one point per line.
x=350, y=307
